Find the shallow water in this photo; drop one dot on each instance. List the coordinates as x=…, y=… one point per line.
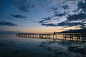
x=13, y=46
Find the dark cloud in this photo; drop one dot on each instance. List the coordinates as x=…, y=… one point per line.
x=48, y=18
x=45, y=19
x=59, y=7
x=22, y=5
x=70, y=17
x=65, y=7
x=7, y=23
x=18, y=16
x=65, y=24
x=64, y=2
x=54, y=8
x=33, y=6
x=75, y=17
x=59, y=14
x=23, y=8
x=83, y=27
x=50, y=24
x=8, y=17
x=82, y=6
x=57, y=10
x=70, y=24
x=41, y=21
x=84, y=20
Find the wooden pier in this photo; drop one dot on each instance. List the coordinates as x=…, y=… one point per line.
x=54, y=36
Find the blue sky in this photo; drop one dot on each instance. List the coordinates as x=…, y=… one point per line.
x=42, y=16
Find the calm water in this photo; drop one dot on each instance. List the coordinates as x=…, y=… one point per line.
x=13, y=46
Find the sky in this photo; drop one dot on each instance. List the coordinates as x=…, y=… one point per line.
x=42, y=16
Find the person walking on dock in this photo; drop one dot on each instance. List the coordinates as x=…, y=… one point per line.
x=53, y=36
x=54, y=32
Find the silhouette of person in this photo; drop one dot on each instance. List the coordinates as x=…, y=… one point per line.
x=54, y=32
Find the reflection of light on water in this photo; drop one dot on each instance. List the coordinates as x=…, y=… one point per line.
x=10, y=45
x=58, y=48
x=61, y=36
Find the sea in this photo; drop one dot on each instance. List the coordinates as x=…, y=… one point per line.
x=15, y=46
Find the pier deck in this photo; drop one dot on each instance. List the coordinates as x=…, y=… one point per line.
x=54, y=36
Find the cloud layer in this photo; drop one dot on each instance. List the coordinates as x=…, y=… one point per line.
x=18, y=16
x=71, y=15
x=58, y=12
x=7, y=23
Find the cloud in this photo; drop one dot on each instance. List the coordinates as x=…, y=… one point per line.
x=8, y=17
x=33, y=6
x=70, y=24
x=49, y=24
x=82, y=5
x=64, y=24
x=59, y=14
x=7, y=23
x=59, y=7
x=75, y=17
x=83, y=27
x=62, y=10
x=18, y=16
x=54, y=8
x=45, y=19
x=65, y=7
x=23, y=8
x=22, y=5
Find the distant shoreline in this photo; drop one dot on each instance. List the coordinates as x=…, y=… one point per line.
x=9, y=33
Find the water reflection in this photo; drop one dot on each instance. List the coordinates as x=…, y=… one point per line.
x=76, y=45
x=11, y=45
x=66, y=48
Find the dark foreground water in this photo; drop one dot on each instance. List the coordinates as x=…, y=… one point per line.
x=13, y=46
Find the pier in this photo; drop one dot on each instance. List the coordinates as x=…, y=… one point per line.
x=54, y=36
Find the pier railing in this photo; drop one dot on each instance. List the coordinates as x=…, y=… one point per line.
x=54, y=36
